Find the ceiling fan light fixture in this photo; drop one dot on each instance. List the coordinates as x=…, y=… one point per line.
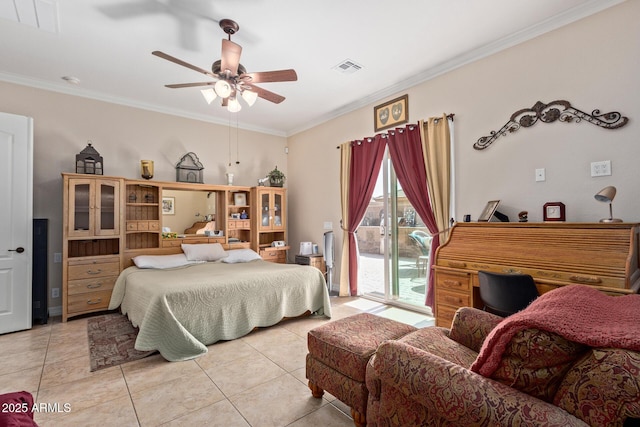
x=250, y=97
x=222, y=88
x=209, y=95
x=233, y=105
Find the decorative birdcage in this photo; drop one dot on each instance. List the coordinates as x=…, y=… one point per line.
x=189, y=169
x=89, y=161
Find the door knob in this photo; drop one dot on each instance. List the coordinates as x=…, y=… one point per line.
x=19, y=250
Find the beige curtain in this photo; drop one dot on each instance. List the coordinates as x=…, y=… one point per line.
x=345, y=168
x=436, y=148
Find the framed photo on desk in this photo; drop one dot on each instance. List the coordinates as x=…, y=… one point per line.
x=488, y=211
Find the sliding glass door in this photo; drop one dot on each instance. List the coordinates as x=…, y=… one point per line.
x=394, y=246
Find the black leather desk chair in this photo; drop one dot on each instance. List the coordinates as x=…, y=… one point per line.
x=506, y=294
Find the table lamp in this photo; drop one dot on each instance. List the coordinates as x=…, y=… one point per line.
x=607, y=195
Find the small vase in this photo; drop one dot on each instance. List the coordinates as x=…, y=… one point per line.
x=229, y=179
x=146, y=169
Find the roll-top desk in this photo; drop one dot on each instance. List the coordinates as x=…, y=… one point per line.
x=605, y=256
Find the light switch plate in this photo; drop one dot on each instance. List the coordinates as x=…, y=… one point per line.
x=602, y=168
x=540, y=175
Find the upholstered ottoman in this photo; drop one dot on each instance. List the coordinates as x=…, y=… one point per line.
x=338, y=355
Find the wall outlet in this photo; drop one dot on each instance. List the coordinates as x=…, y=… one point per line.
x=540, y=175
x=57, y=257
x=55, y=292
x=328, y=225
x=602, y=168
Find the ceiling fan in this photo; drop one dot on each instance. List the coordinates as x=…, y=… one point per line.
x=230, y=77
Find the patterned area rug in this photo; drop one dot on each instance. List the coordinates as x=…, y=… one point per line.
x=111, y=341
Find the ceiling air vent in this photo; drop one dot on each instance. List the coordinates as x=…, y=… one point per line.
x=41, y=14
x=347, y=67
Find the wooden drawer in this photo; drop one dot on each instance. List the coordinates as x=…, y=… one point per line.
x=274, y=255
x=90, y=301
x=237, y=245
x=195, y=241
x=237, y=224
x=453, y=299
x=444, y=315
x=171, y=243
x=143, y=225
x=91, y=285
x=458, y=282
x=93, y=270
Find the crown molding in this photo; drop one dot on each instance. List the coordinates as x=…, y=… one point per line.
x=98, y=96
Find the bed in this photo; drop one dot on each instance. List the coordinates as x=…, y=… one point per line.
x=181, y=310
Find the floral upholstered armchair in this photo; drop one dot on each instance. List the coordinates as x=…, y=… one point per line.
x=431, y=377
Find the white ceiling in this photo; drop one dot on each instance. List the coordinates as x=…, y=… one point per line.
x=107, y=45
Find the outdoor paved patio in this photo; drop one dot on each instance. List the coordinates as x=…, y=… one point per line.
x=412, y=280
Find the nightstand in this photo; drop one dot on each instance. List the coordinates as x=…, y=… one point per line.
x=315, y=260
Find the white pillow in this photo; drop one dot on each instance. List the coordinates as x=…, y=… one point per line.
x=204, y=252
x=241, y=255
x=161, y=261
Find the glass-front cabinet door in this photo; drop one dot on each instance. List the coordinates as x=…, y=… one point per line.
x=94, y=207
x=278, y=210
x=81, y=219
x=272, y=209
x=107, y=207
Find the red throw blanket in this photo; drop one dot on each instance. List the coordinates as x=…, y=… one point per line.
x=576, y=312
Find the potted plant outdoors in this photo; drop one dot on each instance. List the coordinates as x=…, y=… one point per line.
x=276, y=178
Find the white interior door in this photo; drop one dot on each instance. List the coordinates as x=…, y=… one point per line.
x=16, y=215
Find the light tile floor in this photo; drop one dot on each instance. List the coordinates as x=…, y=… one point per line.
x=257, y=380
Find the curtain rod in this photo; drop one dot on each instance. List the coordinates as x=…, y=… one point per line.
x=384, y=134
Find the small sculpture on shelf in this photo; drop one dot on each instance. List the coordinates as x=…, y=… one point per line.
x=189, y=169
x=146, y=169
x=89, y=161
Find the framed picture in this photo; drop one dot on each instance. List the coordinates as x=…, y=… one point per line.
x=488, y=210
x=168, y=206
x=240, y=199
x=391, y=113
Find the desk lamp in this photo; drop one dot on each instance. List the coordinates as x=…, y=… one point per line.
x=606, y=195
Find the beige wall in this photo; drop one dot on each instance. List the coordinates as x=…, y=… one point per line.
x=593, y=63
x=124, y=136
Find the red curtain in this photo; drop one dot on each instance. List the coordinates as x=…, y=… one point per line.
x=366, y=160
x=405, y=150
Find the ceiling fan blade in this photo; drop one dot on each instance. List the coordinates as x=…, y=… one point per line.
x=270, y=76
x=265, y=94
x=180, y=85
x=181, y=62
x=230, y=56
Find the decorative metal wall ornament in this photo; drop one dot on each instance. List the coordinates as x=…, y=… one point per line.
x=548, y=113
x=189, y=169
